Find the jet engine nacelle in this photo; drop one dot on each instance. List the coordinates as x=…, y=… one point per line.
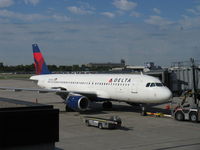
x=77, y=102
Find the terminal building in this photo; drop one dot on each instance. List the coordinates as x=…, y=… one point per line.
x=108, y=64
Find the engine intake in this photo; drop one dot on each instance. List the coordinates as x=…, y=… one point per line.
x=77, y=102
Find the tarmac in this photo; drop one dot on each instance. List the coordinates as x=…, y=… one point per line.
x=137, y=132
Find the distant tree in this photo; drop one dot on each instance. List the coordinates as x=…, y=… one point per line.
x=68, y=68
x=53, y=68
x=1, y=64
x=62, y=68
x=65, y=68
x=84, y=68
x=1, y=67
x=76, y=68
x=29, y=68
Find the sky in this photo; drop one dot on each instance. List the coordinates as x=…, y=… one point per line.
x=83, y=31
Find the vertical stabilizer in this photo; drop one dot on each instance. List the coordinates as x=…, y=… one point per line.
x=40, y=65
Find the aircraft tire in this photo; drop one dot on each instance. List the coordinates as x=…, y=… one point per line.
x=143, y=113
x=179, y=116
x=87, y=123
x=193, y=117
x=100, y=126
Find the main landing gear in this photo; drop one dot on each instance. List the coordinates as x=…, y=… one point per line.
x=107, y=105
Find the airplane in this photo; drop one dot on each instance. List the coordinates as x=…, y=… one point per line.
x=79, y=90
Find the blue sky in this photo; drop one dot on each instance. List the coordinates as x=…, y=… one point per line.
x=82, y=31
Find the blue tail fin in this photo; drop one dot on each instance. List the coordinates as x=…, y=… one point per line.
x=40, y=65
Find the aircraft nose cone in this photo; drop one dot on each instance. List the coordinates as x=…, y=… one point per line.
x=167, y=94
x=163, y=95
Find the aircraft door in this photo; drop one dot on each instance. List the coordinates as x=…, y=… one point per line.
x=133, y=88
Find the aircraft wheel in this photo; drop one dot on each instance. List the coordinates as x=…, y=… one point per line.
x=87, y=123
x=143, y=113
x=179, y=116
x=100, y=126
x=193, y=117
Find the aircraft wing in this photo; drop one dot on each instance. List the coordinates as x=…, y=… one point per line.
x=58, y=91
x=33, y=90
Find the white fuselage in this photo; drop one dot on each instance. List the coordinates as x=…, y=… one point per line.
x=122, y=87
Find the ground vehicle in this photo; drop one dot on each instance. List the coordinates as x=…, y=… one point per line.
x=102, y=123
x=191, y=111
x=191, y=114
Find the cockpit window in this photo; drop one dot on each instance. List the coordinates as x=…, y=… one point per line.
x=159, y=84
x=148, y=84
x=153, y=84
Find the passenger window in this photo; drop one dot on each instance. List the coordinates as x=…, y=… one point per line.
x=148, y=84
x=153, y=84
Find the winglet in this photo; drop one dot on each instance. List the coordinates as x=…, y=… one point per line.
x=40, y=65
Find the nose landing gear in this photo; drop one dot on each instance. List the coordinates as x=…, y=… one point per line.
x=143, y=109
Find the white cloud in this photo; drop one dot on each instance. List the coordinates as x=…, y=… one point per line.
x=5, y=3
x=25, y=17
x=79, y=10
x=33, y=2
x=86, y=6
x=124, y=5
x=61, y=18
x=189, y=22
x=5, y=14
x=135, y=14
x=156, y=10
x=108, y=14
x=195, y=11
x=158, y=20
x=198, y=7
x=139, y=44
